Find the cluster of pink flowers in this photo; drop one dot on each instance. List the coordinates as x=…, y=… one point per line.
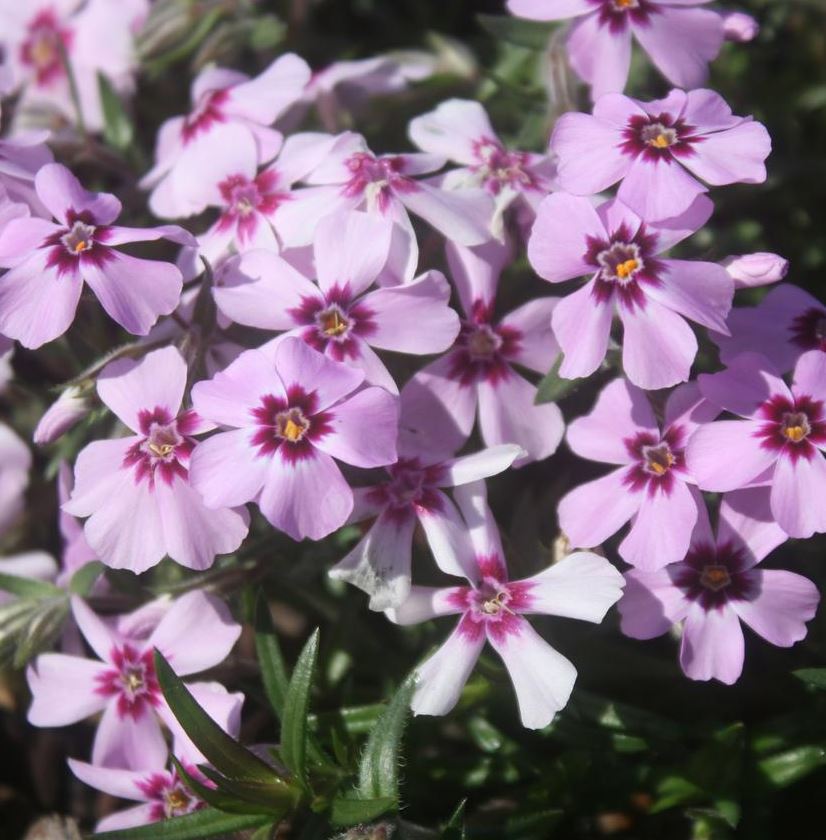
x=313, y=246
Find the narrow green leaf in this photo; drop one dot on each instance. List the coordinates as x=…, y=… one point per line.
x=271, y=661
x=212, y=796
x=787, y=767
x=84, y=578
x=42, y=629
x=224, y=752
x=554, y=387
x=347, y=812
x=208, y=822
x=455, y=827
x=118, y=130
x=296, y=708
x=275, y=798
x=522, y=33
x=815, y=677
x=379, y=767
x=28, y=587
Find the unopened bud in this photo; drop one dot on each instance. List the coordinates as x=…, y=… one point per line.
x=740, y=27
x=758, y=269
x=69, y=408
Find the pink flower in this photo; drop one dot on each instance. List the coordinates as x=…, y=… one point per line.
x=651, y=295
x=161, y=792
x=582, y=586
x=718, y=586
x=759, y=269
x=136, y=489
x=353, y=178
x=460, y=131
x=785, y=324
x=15, y=461
x=740, y=27
x=221, y=170
x=412, y=494
x=97, y=38
x=778, y=441
x=650, y=145
x=50, y=262
x=339, y=316
x=679, y=40
x=478, y=375
x=651, y=486
x=292, y=412
x=123, y=685
x=220, y=98
x=20, y=158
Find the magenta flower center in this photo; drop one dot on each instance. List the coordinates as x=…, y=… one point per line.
x=207, y=111
x=658, y=460
x=795, y=426
x=715, y=577
x=79, y=238
x=291, y=425
x=499, y=168
x=483, y=343
x=658, y=138
x=163, y=451
x=621, y=262
x=333, y=323
x=809, y=330
x=374, y=178
x=41, y=49
x=241, y=195
x=168, y=795
x=711, y=575
x=132, y=680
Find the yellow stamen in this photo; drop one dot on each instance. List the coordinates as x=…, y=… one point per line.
x=627, y=268
x=43, y=52
x=795, y=433
x=659, y=142
x=292, y=430
x=161, y=449
x=134, y=682
x=333, y=324
x=176, y=799
x=83, y=245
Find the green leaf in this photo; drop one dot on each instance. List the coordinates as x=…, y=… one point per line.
x=208, y=822
x=553, y=387
x=379, y=767
x=84, y=578
x=522, y=33
x=118, y=130
x=212, y=796
x=254, y=797
x=42, y=629
x=787, y=767
x=296, y=708
x=346, y=812
x=224, y=752
x=28, y=587
x=267, y=33
x=271, y=661
x=455, y=827
x=815, y=677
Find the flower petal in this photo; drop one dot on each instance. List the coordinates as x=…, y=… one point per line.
x=482, y=464
x=61, y=192
x=746, y=520
x=63, y=689
x=599, y=55
x=650, y=604
x=712, y=645
x=127, y=743
x=797, y=494
x=229, y=454
x=581, y=323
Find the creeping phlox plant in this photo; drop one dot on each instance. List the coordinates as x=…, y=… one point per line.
x=280, y=344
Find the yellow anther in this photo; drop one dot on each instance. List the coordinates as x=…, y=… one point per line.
x=43, y=52
x=627, y=268
x=659, y=142
x=292, y=430
x=795, y=433
x=161, y=449
x=333, y=324
x=715, y=577
x=83, y=245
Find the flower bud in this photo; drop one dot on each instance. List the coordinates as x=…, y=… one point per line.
x=758, y=269
x=740, y=27
x=69, y=408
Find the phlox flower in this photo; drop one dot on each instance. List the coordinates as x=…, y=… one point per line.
x=492, y=607
x=652, y=296
x=460, y=131
x=353, y=178
x=740, y=27
x=780, y=439
x=291, y=412
x=136, y=489
x=49, y=263
x=161, y=792
x=412, y=494
x=651, y=485
x=478, y=375
x=97, y=37
x=785, y=324
x=657, y=148
x=220, y=98
x=222, y=171
x=717, y=586
x=338, y=315
x=680, y=39
x=15, y=462
x=124, y=687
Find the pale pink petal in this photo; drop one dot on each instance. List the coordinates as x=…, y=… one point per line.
x=798, y=493
x=542, y=678
x=700, y=291
x=783, y=604
x=264, y=98
x=508, y=413
x=128, y=818
x=124, y=784
x=135, y=292
x=302, y=153
x=537, y=348
x=658, y=347
x=413, y=318
x=126, y=743
x=365, y=358
x=190, y=620
x=621, y=410
x=19, y=237
x=746, y=520
x=441, y=678
x=295, y=220
x=452, y=129
x=36, y=305
x=350, y=250
x=482, y=464
x=687, y=408
x=661, y=531
x=543, y=10
x=129, y=387
x=227, y=470
x=98, y=474
x=306, y=498
x=462, y=216
x=60, y=191
x=475, y=271
x=99, y=635
x=744, y=386
x=119, y=235
x=379, y=564
x=672, y=231
x=712, y=645
x=810, y=375
x=582, y=585
x=707, y=110
x=650, y=604
x=658, y=189
x=736, y=155
x=726, y=455
x=364, y=429
x=447, y=536
x=601, y=57
x=63, y=689
x=681, y=42
x=582, y=325
x=592, y=512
